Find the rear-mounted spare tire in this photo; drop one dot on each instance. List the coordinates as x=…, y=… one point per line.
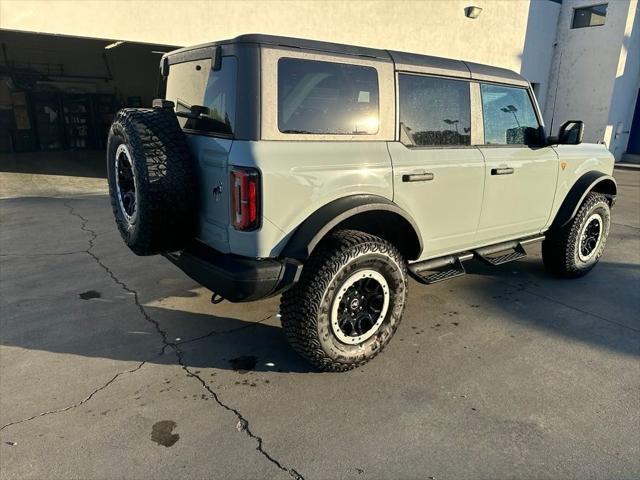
x=152, y=180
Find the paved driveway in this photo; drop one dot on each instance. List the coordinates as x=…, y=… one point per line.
x=115, y=366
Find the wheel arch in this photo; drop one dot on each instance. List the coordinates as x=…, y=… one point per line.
x=368, y=213
x=589, y=182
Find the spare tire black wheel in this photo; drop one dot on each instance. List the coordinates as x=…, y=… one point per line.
x=152, y=180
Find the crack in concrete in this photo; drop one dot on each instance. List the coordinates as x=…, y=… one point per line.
x=77, y=404
x=176, y=349
x=41, y=254
x=625, y=225
x=214, y=333
x=243, y=423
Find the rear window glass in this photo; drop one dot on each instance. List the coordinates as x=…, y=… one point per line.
x=327, y=98
x=435, y=111
x=195, y=84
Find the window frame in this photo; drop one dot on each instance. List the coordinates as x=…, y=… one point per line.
x=585, y=7
x=269, y=57
x=536, y=112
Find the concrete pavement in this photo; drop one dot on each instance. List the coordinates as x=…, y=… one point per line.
x=117, y=366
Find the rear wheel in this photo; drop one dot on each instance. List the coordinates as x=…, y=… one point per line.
x=573, y=250
x=348, y=302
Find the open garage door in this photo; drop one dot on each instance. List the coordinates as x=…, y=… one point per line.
x=60, y=93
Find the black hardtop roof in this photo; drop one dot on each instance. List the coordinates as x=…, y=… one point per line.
x=403, y=61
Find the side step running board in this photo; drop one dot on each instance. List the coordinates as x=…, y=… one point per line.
x=486, y=253
x=517, y=253
x=444, y=268
x=439, y=269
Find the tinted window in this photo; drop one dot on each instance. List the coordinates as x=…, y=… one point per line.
x=591, y=16
x=509, y=118
x=326, y=98
x=434, y=111
x=194, y=83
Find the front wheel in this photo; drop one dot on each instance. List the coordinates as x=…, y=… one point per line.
x=348, y=302
x=573, y=250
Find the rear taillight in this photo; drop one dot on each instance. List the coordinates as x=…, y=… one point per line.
x=245, y=198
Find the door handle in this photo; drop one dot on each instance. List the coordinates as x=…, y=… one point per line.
x=502, y=171
x=418, y=177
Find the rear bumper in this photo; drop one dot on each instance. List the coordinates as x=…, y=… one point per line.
x=235, y=278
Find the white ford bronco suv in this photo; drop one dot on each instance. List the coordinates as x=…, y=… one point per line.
x=329, y=173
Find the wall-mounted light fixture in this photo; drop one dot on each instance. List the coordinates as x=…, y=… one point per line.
x=472, y=12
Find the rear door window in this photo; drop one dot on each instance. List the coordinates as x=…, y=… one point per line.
x=317, y=97
x=434, y=111
x=196, y=84
x=509, y=117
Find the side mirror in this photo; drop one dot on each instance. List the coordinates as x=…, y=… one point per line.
x=571, y=132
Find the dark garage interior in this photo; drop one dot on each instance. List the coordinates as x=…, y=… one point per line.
x=59, y=94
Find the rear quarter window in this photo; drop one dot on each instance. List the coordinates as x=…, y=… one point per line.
x=316, y=97
x=196, y=84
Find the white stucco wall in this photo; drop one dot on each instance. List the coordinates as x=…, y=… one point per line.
x=586, y=71
x=539, y=46
x=626, y=86
x=433, y=27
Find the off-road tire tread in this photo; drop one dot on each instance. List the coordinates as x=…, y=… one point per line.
x=167, y=183
x=559, y=245
x=300, y=304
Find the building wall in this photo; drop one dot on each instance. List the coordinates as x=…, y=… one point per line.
x=626, y=86
x=590, y=80
x=539, y=45
x=432, y=27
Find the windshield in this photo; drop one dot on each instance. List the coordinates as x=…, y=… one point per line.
x=195, y=84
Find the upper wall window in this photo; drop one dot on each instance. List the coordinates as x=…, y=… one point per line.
x=434, y=111
x=591, y=16
x=327, y=98
x=509, y=117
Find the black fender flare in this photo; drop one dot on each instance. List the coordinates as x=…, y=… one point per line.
x=598, y=181
x=309, y=233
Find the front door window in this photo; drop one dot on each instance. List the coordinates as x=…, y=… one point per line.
x=509, y=117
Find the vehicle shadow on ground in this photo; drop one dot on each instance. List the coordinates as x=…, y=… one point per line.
x=598, y=309
x=229, y=343
x=201, y=340
x=232, y=341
